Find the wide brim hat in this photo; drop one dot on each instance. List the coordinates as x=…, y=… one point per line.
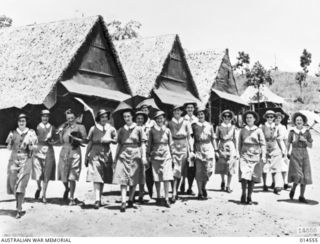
x=145, y=116
x=269, y=112
x=159, y=113
x=100, y=113
x=295, y=115
x=175, y=107
x=45, y=112
x=227, y=111
x=22, y=116
x=188, y=103
x=201, y=109
x=255, y=115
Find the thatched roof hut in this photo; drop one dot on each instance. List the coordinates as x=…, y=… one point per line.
x=34, y=58
x=157, y=67
x=48, y=64
x=213, y=74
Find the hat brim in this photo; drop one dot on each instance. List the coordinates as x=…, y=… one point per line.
x=244, y=116
x=297, y=114
x=225, y=112
x=145, y=117
x=97, y=119
x=266, y=114
x=158, y=115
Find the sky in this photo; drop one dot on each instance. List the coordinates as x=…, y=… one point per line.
x=271, y=31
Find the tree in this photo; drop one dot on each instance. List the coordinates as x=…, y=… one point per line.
x=242, y=59
x=5, y=21
x=119, y=31
x=257, y=77
x=301, y=76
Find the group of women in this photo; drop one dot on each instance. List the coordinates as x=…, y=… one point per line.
x=151, y=151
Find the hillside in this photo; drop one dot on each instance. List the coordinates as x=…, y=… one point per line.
x=285, y=85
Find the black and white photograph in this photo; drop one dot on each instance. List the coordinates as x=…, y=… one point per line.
x=159, y=118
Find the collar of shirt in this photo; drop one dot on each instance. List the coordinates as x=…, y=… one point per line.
x=149, y=123
x=296, y=130
x=177, y=121
x=42, y=125
x=201, y=123
x=22, y=132
x=191, y=118
x=252, y=128
x=130, y=127
x=158, y=128
x=272, y=125
x=105, y=127
x=226, y=125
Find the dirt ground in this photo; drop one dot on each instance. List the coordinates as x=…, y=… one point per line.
x=220, y=215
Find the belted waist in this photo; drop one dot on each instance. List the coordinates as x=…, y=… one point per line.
x=270, y=139
x=131, y=144
x=202, y=141
x=160, y=143
x=179, y=138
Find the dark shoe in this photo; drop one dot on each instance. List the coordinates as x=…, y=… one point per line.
x=228, y=190
x=249, y=201
x=123, y=207
x=72, y=202
x=97, y=205
x=200, y=197
x=223, y=186
x=130, y=204
x=150, y=194
x=291, y=194
x=303, y=200
x=19, y=215
x=286, y=186
x=204, y=192
x=277, y=190
x=37, y=194
x=158, y=201
x=190, y=192
x=182, y=188
x=173, y=199
x=140, y=200
x=167, y=204
x=265, y=188
x=243, y=199
x=272, y=185
x=65, y=194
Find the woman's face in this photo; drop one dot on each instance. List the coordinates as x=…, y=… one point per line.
x=190, y=109
x=270, y=118
x=127, y=116
x=70, y=118
x=140, y=120
x=299, y=121
x=201, y=116
x=177, y=113
x=44, y=119
x=160, y=120
x=22, y=123
x=145, y=110
x=227, y=118
x=104, y=119
x=278, y=120
x=250, y=119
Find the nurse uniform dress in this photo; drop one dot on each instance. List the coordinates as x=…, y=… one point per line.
x=100, y=156
x=20, y=162
x=226, y=138
x=44, y=162
x=203, y=149
x=129, y=166
x=160, y=151
x=180, y=131
x=69, y=166
x=252, y=147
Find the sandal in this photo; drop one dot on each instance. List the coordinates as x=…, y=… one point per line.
x=228, y=190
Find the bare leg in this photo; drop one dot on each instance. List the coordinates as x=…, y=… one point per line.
x=222, y=178
x=264, y=178
x=199, y=184
x=97, y=191
x=294, y=187
x=166, y=189
x=72, y=188
x=175, y=187
x=157, y=183
x=44, y=191
x=132, y=192
x=302, y=190
x=123, y=189
x=39, y=184
x=229, y=180
x=284, y=177
x=141, y=190
x=20, y=198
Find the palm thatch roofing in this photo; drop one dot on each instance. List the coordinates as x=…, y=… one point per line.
x=143, y=60
x=34, y=58
x=204, y=66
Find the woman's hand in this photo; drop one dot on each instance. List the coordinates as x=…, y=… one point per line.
x=144, y=161
x=303, y=139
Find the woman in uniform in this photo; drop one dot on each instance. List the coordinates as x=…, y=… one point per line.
x=275, y=152
x=160, y=152
x=299, y=139
x=181, y=147
x=141, y=118
x=130, y=158
x=252, y=149
x=226, y=140
x=98, y=156
x=204, y=149
x=69, y=167
x=22, y=142
x=44, y=163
